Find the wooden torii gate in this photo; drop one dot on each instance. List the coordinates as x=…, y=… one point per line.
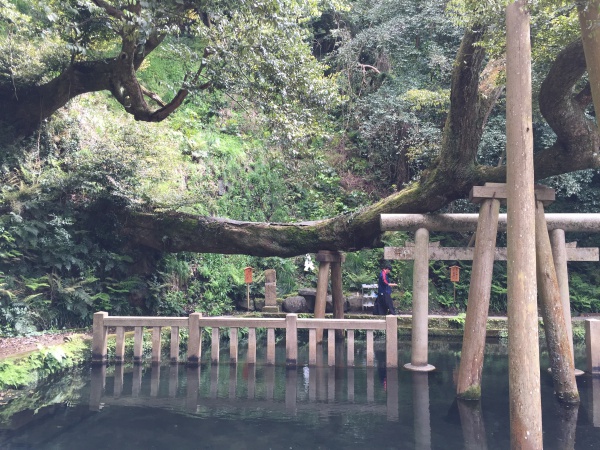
x=483, y=255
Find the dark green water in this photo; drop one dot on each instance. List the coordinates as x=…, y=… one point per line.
x=259, y=407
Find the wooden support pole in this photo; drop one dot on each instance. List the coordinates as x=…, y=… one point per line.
x=194, y=340
x=174, y=345
x=559, y=255
x=523, y=348
x=420, y=300
x=471, y=360
x=337, y=295
x=99, y=338
x=321, y=295
x=291, y=340
x=557, y=337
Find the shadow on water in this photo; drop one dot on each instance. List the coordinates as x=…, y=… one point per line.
x=247, y=406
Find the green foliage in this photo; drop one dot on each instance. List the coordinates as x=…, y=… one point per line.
x=42, y=363
x=259, y=146
x=396, y=83
x=458, y=321
x=585, y=294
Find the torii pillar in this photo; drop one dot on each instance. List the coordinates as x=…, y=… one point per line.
x=559, y=254
x=420, y=305
x=471, y=362
x=525, y=401
x=329, y=259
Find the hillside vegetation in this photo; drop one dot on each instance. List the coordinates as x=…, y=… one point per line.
x=322, y=116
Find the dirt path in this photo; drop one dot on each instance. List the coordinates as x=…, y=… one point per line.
x=13, y=346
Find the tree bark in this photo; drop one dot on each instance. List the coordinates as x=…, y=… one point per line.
x=523, y=351
x=471, y=361
x=589, y=21
x=557, y=336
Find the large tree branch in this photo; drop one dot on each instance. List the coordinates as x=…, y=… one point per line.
x=450, y=178
x=26, y=108
x=578, y=142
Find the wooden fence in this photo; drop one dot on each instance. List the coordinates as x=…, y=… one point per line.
x=195, y=324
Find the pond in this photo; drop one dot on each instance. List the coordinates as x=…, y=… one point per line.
x=270, y=407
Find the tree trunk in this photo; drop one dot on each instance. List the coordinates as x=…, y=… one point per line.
x=523, y=351
x=557, y=336
x=471, y=361
x=589, y=21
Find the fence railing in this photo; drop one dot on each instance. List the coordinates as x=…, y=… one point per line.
x=196, y=324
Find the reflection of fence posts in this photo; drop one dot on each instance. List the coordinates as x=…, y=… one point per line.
x=211, y=403
x=195, y=323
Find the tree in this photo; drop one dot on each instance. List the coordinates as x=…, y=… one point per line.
x=475, y=88
x=55, y=50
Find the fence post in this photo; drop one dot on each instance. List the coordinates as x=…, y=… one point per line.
x=174, y=345
x=291, y=340
x=99, y=337
x=270, y=346
x=156, y=345
x=194, y=343
x=391, y=341
x=592, y=345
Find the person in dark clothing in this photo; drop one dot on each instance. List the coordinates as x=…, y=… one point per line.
x=384, y=293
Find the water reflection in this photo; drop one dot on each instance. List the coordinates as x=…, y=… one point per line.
x=596, y=401
x=473, y=428
x=324, y=386
x=567, y=425
x=422, y=427
x=238, y=405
